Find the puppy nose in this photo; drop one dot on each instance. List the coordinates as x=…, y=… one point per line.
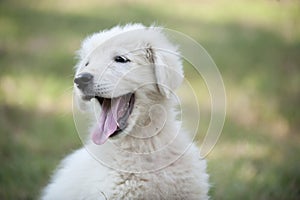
x=83, y=80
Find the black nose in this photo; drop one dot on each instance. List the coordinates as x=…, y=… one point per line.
x=83, y=80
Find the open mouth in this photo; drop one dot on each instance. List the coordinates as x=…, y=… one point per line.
x=113, y=117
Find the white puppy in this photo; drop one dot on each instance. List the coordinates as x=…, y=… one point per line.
x=136, y=148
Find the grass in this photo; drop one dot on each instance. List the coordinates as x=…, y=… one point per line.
x=255, y=44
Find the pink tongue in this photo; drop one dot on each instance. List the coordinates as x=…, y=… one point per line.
x=112, y=109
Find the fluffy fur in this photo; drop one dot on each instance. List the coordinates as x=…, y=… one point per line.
x=155, y=158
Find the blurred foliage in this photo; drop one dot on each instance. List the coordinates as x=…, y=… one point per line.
x=255, y=44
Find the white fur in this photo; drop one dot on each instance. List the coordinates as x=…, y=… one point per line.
x=132, y=171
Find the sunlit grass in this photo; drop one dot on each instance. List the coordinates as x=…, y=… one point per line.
x=42, y=94
x=253, y=165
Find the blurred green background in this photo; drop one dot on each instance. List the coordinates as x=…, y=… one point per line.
x=255, y=44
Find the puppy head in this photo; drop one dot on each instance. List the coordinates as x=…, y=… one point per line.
x=120, y=67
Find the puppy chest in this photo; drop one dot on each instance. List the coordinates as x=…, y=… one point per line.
x=147, y=186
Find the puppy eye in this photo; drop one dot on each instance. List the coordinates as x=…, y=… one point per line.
x=121, y=59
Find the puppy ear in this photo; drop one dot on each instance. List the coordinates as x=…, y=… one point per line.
x=168, y=70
